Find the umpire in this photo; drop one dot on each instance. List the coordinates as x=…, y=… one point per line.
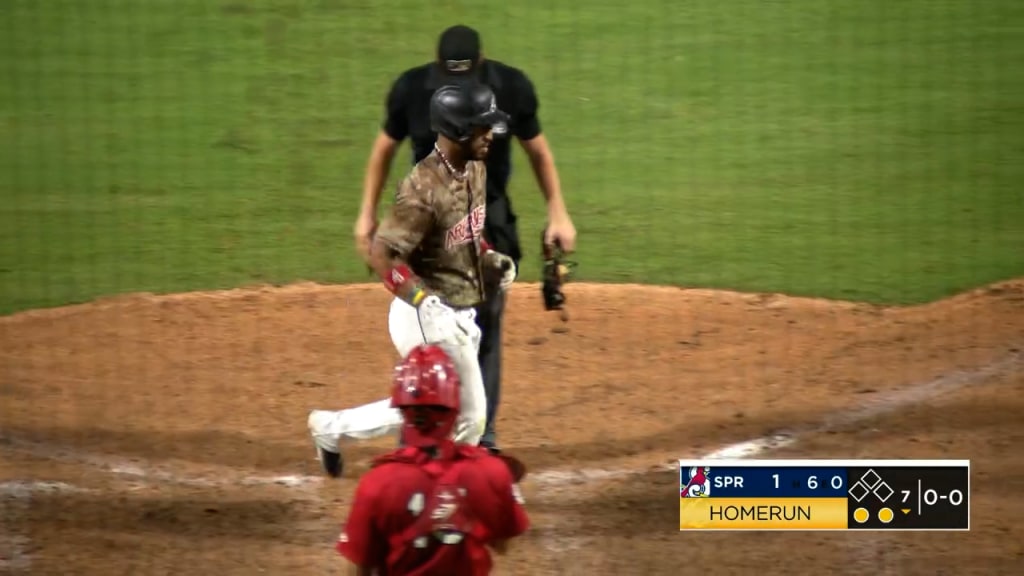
x=459, y=58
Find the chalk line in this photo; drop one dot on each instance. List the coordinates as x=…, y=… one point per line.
x=219, y=476
x=24, y=489
x=881, y=405
x=15, y=501
x=286, y=480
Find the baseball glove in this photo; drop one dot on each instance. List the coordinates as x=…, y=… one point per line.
x=555, y=272
x=515, y=466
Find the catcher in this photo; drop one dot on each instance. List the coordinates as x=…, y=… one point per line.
x=432, y=507
x=431, y=254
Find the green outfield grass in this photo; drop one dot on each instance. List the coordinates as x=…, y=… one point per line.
x=858, y=149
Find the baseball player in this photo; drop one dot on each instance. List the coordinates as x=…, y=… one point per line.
x=431, y=255
x=432, y=507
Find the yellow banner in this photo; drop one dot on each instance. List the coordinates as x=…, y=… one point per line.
x=762, y=514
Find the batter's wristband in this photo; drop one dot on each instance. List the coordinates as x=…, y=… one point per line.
x=485, y=246
x=396, y=277
x=417, y=296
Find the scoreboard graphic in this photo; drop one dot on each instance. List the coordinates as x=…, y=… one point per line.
x=824, y=495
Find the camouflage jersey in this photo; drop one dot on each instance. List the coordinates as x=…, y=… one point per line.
x=436, y=224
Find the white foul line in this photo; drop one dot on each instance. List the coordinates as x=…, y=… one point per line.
x=881, y=405
x=220, y=476
x=15, y=500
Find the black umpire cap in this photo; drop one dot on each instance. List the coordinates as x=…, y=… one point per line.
x=458, y=54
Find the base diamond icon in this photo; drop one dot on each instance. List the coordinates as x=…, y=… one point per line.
x=870, y=478
x=883, y=491
x=859, y=491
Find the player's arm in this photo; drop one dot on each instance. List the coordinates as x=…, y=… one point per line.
x=542, y=160
x=411, y=217
x=360, y=541
x=509, y=513
x=378, y=165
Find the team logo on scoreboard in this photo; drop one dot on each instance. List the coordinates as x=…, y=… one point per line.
x=698, y=485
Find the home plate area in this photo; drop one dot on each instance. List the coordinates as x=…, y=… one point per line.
x=166, y=434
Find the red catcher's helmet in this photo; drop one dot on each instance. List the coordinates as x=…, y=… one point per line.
x=426, y=390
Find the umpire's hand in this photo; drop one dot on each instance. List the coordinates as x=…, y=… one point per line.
x=562, y=231
x=363, y=231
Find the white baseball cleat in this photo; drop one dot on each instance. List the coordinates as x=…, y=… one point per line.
x=326, y=443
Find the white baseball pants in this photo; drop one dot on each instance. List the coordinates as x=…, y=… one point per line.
x=379, y=418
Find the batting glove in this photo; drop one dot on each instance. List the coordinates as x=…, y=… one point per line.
x=505, y=264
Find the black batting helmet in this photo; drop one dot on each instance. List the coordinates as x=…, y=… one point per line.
x=456, y=109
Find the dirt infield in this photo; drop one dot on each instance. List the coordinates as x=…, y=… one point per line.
x=166, y=435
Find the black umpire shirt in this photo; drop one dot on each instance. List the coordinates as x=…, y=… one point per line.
x=408, y=115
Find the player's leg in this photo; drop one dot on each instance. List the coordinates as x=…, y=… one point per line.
x=328, y=427
x=406, y=335
x=489, y=316
x=376, y=419
x=364, y=422
x=473, y=414
x=379, y=418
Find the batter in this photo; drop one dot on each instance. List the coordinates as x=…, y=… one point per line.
x=431, y=254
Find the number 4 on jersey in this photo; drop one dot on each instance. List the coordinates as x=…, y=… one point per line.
x=446, y=518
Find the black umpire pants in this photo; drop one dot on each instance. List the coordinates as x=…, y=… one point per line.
x=488, y=318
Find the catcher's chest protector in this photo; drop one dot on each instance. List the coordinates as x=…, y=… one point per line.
x=442, y=514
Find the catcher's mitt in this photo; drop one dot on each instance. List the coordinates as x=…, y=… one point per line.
x=515, y=466
x=555, y=273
